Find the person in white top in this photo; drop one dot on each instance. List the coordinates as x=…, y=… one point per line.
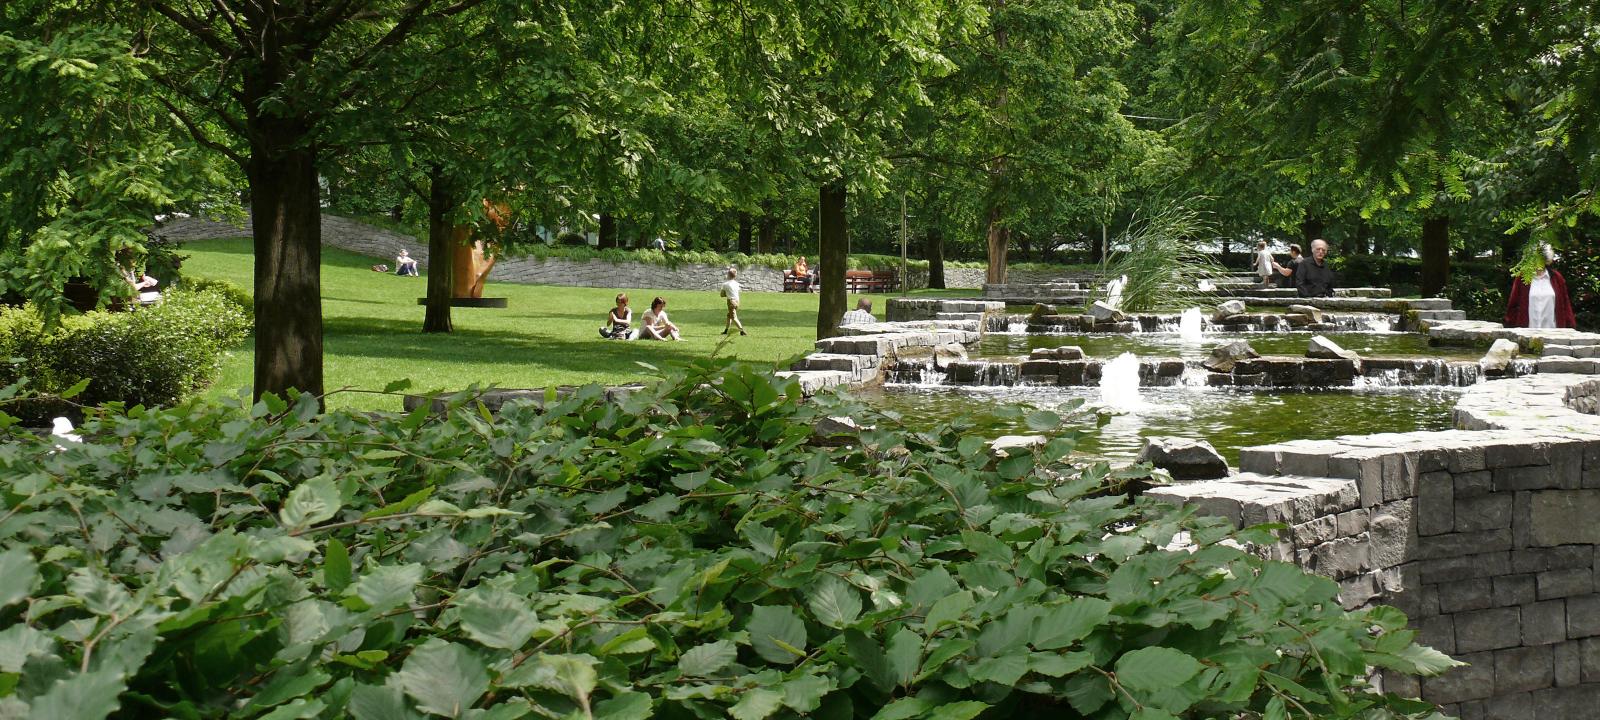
x=1540, y=300
x=405, y=265
x=730, y=290
x=859, y=316
x=1264, y=263
x=655, y=325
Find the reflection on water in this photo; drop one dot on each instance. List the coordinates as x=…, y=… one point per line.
x=1227, y=419
x=1105, y=346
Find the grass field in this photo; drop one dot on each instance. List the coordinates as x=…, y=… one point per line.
x=372, y=330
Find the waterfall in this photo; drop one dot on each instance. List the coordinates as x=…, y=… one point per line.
x=1189, y=326
x=1119, y=383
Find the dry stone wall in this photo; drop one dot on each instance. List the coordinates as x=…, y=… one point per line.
x=359, y=237
x=1488, y=539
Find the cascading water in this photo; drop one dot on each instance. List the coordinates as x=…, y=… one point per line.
x=1114, y=291
x=1189, y=326
x=1119, y=383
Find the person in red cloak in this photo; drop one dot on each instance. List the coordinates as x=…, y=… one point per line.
x=1542, y=302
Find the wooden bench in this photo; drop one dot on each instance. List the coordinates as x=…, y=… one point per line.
x=871, y=281
x=792, y=283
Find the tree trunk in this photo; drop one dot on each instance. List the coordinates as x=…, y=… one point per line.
x=1511, y=246
x=746, y=233
x=608, y=231
x=441, y=255
x=1310, y=229
x=933, y=250
x=767, y=230
x=1358, y=242
x=285, y=211
x=832, y=258
x=1435, y=255
x=997, y=240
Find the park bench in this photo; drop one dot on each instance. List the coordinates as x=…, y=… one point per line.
x=871, y=281
x=791, y=283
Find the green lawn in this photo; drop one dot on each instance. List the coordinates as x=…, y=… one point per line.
x=546, y=337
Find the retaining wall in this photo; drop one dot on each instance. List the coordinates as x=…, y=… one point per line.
x=359, y=237
x=1487, y=539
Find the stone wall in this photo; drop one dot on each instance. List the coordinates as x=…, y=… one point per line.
x=359, y=237
x=1487, y=539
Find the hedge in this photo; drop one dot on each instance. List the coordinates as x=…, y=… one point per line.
x=152, y=356
x=689, y=551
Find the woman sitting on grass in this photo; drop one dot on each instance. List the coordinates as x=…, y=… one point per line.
x=656, y=326
x=618, y=321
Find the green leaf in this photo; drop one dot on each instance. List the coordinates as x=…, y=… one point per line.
x=1064, y=624
x=404, y=505
x=1005, y=670
x=965, y=710
x=1043, y=421
x=1155, y=668
x=388, y=586
x=705, y=660
x=20, y=642
x=336, y=570
x=660, y=508
x=379, y=702
x=1150, y=713
x=1416, y=660
x=76, y=389
x=444, y=678
x=804, y=694
x=80, y=696
x=625, y=706
x=21, y=575
x=395, y=386
x=314, y=501
x=497, y=618
x=571, y=675
x=756, y=704
x=904, y=653
x=835, y=603
x=777, y=634
x=948, y=610
x=904, y=708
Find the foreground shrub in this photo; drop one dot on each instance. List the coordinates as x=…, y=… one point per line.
x=685, y=553
x=152, y=356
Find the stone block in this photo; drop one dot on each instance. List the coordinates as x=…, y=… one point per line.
x=1583, y=616
x=1464, y=567
x=1357, y=592
x=1488, y=629
x=1399, y=476
x=1566, y=464
x=1340, y=558
x=1569, y=667
x=1435, y=508
x=1578, y=701
x=1463, y=595
x=1073, y=372
x=1473, y=681
x=1532, y=477
x=1455, y=544
x=1314, y=533
x=1517, y=454
x=1463, y=460
x=1040, y=367
x=1544, y=623
x=1519, y=706
x=1484, y=512
x=1469, y=484
x=1565, y=583
x=1564, y=517
x=1524, y=669
x=1352, y=522
x=1589, y=659
x=1392, y=536
x=1558, y=558
x=1439, y=633
x=1515, y=590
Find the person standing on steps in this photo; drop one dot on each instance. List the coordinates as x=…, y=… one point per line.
x=1314, y=277
x=730, y=290
x=1264, y=263
x=1540, y=300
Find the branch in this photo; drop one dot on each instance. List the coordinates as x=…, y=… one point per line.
x=200, y=136
x=202, y=33
x=233, y=23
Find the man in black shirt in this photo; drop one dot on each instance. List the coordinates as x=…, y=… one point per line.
x=1313, y=276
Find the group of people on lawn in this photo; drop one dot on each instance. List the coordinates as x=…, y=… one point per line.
x=655, y=325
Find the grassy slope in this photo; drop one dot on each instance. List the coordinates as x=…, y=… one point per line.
x=546, y=337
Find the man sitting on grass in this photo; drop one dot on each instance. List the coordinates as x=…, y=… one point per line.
x=655, y=325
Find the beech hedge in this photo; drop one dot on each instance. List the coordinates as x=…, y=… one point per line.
x=689, y=551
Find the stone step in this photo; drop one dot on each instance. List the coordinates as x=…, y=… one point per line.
x=815, y=381
x=1441, y=314
x=860, y=367
x=959, y=316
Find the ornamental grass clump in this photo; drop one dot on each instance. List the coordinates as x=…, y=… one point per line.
x=1161, y=256
x=685, y=552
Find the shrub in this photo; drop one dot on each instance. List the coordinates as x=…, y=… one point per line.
x=238, y=296
x=1406, y=272
x=151, y=356
x=1162, y=261
x=1480, y=300
x=572, y=239
x=685, y=552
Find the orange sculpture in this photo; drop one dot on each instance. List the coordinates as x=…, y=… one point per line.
x=474, y=259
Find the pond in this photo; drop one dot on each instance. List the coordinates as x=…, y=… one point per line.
x=1228, y=419
x=1109, y=345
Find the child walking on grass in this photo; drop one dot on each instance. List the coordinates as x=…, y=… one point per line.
x=730, y=290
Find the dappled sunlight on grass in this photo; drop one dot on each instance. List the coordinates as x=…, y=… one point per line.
x=546, y=337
